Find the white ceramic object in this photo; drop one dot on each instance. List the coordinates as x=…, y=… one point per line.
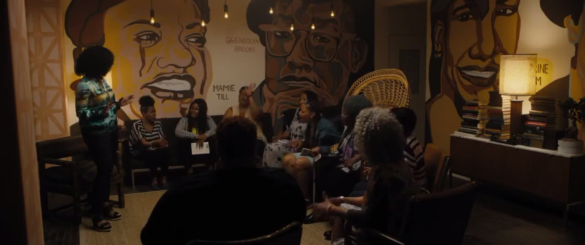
x=571, y=147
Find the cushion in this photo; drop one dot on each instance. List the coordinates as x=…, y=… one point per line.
x=86, y=172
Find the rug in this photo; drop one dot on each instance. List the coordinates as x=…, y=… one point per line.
x=138, y=209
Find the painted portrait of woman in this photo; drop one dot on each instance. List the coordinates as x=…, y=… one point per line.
x=467, y=39
x=167, y=60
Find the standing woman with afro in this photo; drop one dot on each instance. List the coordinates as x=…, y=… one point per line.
x=96, y=107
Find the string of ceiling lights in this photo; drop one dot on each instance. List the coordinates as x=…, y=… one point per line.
x=271, y=11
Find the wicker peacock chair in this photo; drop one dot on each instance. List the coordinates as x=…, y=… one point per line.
x=385, y=88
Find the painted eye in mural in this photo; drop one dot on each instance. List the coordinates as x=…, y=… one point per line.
x=282, y=34
x=321, y=39
x=198, y=40
x=147, y=39
x=506, y=11
x=465, y=17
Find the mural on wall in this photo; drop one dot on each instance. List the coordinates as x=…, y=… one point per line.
x=172, y=59
x=466, y=41
x=167, y=60
x=569, y=14
x=322, y=60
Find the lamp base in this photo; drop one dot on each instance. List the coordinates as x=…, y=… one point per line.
x=515, y=117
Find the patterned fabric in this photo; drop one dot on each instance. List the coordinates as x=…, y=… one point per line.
x=297, y=128
x=414, y=156
x=348, y=149
x=184, y=133
x=91, y=99
x=139, y=132
x=274, y=152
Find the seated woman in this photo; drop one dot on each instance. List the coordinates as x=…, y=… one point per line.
x=319, y=137
x=414, y=154
x=148, y=143
x=340, y=180
x=381, y=141
x=274, y=152
x=247, y=108
x=197, y=127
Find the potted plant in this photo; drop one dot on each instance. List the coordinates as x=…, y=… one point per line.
x=575, y=112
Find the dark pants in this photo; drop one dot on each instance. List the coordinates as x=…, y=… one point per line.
x=103, y=149
x=155, y=159
x=189, y=159
x=339, y=183
x=359, y=189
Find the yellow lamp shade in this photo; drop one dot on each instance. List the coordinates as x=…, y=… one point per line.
x=518, y=74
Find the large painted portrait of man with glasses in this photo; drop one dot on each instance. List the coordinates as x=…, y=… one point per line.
x=325, y=60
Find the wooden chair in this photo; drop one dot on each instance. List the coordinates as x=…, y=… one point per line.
x=385, y=88
x=289, y=235
x=437, y=218
x=433, y=165
x=70, y=177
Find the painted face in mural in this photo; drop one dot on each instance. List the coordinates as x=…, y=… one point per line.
x=167, y=60
x=574, y=24
x=319, y=60
x=476, y=33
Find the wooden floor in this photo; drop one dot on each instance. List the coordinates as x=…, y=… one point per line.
x=496, y=219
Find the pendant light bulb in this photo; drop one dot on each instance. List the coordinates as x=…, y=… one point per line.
x=225, y=15
x=151, y=16
x=271, y=11
x=203, y=23
x=292, y=27
x=225, y=10
x=313, y=26
x=332, y=11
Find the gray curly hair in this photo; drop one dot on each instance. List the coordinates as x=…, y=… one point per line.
x=379, y=136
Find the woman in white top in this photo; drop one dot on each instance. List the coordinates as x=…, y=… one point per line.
x=196, y=127
x=281, y=145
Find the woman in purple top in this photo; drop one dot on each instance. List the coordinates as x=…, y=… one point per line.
x=340, y=180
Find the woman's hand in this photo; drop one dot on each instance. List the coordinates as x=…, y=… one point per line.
x=336, y=200
x=367, y=171
x=322, y=209
x=250, y=90
x=201, y=137
x=200, y=143
x=296, y=143
x=107, y=109
x=316, y=151
x=125, y=101
x=349, y=162
x=164, y=143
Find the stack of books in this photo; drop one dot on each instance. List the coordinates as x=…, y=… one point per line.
x=542, y=118
x=470, y=118
x=482, y=116
x=498, y=110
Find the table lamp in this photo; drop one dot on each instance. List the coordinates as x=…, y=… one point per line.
x=517, y=77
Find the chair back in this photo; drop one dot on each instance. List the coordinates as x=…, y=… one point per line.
x=441, y=174
x=61, y=147
x=438, y=218
x=385, y=88
x=432, y=165
x=289, y=235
